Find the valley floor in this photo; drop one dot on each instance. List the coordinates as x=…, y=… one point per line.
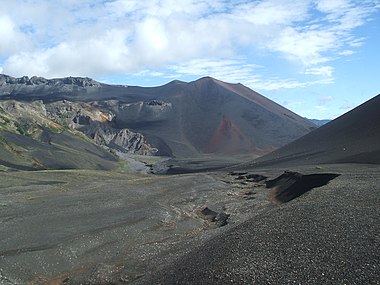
x=94, y=226
x=99, y=227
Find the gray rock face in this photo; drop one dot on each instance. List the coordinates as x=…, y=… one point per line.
x=35, y=80
x=81, y=120
x=133, y=142
x=123, y=140
x=100, y=126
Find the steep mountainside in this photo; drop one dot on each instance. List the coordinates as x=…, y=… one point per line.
x=29, y=140
x=182, y=119
x=354, y=137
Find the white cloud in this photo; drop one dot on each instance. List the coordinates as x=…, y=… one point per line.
x=11, y=39
x=272, y=12
x=307, y=46
x=93, y=57
x=332, y=6
x=326, y=71
x=100, y=38
x=346, y=52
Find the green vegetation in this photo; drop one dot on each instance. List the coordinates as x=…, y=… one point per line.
x=4, y=122
x=5, y=119
x=10, y=147
x=123, y=165
x=3, y=168
x=22, y=129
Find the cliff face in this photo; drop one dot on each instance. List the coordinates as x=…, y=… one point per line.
x=100, y=126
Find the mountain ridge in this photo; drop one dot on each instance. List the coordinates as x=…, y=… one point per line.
x=177, y=119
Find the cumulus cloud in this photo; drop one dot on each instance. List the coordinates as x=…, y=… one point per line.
x=100, y=38
x=11, y=39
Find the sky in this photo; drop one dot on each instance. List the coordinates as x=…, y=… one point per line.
x=318, y=58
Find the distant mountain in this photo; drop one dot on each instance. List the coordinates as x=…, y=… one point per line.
x=319, y=123
x=206, y=116
x=353, y=138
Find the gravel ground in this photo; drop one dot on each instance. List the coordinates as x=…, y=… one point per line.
x=331, y=235
x=101, y=227
x=97, y=227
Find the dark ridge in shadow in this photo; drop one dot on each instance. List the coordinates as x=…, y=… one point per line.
x=291, y=185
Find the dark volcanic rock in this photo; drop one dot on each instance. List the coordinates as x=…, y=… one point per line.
x=220, y=219
x=81, y=120
x=209, y=214
x=251, y=177
x=255, y=177
x=291, y=185
x=238, y=173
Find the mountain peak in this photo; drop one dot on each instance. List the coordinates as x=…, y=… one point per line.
x=207, y=79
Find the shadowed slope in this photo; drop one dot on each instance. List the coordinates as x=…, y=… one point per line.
x=291, y=185
x=53, y=151
x=353, y=137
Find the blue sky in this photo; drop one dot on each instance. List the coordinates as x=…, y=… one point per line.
x=318, y=58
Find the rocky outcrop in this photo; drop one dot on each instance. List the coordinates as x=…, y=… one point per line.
x=101, y=127
x=35, y=80
x=133, y=142
x=121, y=140
x=220, y=219
x=291, y=185
x=81, y=119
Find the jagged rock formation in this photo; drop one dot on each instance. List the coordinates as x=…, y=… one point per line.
x=35, y=80
x=100, y=126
